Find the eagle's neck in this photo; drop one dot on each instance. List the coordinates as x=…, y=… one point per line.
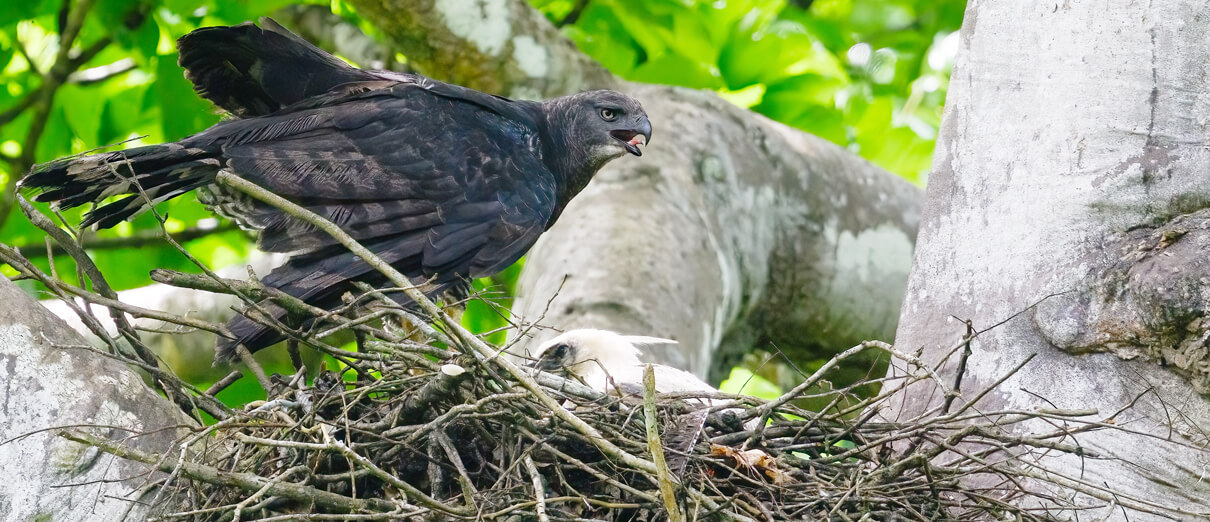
x=572, y=158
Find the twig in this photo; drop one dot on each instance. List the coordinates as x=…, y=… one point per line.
x=966, y=353
x=663, y=476
x=246, y=481
x=223, y=383
x=137, y=239
x=239, y=508
x=415, y=494
x=245, y=357
x=539, y=491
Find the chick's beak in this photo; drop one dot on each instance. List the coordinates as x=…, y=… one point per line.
x=546, y=364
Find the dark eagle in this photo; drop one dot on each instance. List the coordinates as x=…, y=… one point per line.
x=444, y=182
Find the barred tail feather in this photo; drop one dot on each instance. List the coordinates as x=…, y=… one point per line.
x=162, y=172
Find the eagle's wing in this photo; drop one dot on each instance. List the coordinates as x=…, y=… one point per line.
x=255, y=71
x=387, y=162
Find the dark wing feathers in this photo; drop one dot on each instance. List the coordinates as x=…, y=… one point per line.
x=254, y=71
x=363, y=221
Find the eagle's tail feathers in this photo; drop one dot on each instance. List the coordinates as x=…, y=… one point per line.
x=162, y=172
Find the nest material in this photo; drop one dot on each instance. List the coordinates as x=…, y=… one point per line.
x=416, y=436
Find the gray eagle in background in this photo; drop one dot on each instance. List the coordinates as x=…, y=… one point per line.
x=441, y=181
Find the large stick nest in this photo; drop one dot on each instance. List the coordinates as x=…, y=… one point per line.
x=428, y=433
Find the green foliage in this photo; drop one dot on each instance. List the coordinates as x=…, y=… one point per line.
x=869, y=75
x=743, y=381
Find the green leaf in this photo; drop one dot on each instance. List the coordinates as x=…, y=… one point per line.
x=111, y=15
x=674, y=69
x=619, y=55
x=600, y=34
x=651, y=37
x=82, y=109
x=17, y=10
x=690, y=39
x=805, y=89
x=743, y=381
x=236, y=11
x=123, y=113
x=143, y=40
x=56, y=138
x=899, y=150
x=807, y=102
x=182, y=112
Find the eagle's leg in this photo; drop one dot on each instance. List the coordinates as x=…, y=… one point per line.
x=456, y=298
x=294, y=322
x=455, y=312
x=295, y=356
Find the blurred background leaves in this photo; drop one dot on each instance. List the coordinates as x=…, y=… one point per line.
x=868, y=75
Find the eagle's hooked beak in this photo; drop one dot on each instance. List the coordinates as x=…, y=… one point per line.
x=632, y=138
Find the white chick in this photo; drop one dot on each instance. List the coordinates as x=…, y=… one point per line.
x=607, y=361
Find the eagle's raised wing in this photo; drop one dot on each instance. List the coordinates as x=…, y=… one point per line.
x=255, y=71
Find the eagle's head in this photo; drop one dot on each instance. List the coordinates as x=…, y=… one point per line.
x=581, y=352
x=597, y=126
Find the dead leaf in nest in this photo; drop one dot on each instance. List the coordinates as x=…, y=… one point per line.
x=755, y=460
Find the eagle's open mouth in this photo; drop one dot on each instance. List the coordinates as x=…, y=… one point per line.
x=630, y=140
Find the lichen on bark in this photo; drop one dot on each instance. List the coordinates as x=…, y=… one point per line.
x=1150, y=303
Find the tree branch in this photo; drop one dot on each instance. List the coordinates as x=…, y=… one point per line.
x=138, y=239
x=305, y=495
x=499, y=46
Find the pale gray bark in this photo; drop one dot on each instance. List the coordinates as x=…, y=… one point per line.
x=1072, y=161
x=50, y=380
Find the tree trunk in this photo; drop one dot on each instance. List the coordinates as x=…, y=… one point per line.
x=51, y=380
x=731, y=231
x=1070, y=174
